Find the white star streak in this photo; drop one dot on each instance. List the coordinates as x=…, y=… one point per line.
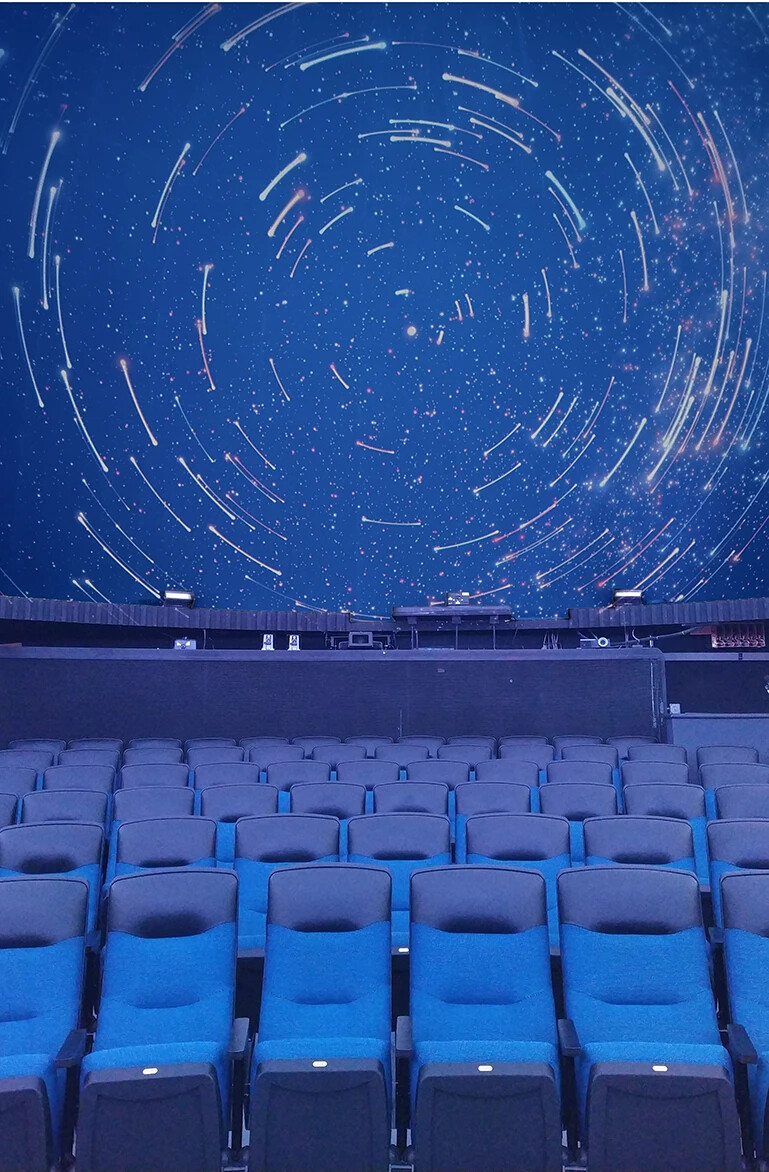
x=337, y=375
x=568, y=242
x=547, y=291
x=352, y=183
x=155, y=221
x=165, y=504
x=300, y=158
x=81, y=424
x=461, y=544
x=261, y=455
x=548, y=417
x=574, y=461
x=374, y=89
x=501, y=133
x=139, y=412
x=17, y=305
x=52, y=193
x=305, y=246
x=277, y=379
x=250, y=556
x=372, y=448
x=398, y=524
x=57, y=267
x=206, y=270
x=465, y=212
x=344, y=212
x=572, y=557
x=578, y=565
x=578, y=215
x=289, y=234
x=379, y=247
x=562, y=420
x=518, y=553
x=526, y=317
x=55, y=136
x=625, y=454
x=92, y=533
x=489, y=483
x=342, y=53
x=208, y=491
x=499, y=443
x=257, y=24
x=192, y=431
x=637, y=226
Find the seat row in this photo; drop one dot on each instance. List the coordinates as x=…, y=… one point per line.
x=488, y=1072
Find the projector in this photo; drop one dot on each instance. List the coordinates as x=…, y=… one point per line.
x=599, y=642
x=458, y=598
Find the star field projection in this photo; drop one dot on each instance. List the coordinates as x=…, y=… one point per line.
x=342, y=306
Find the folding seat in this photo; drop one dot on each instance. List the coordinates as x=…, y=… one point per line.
x=482, y=1035
x=577, y=800
x=486, y=797
x=468, y=754
x=403, y=843
x=210, y=743
x=431, y=743
x=25, y=759
x=264, y=843
x=321, y=1090
x=575, y=772
x=8, y=804
x=265, y=755
x=157, y=756
x=226, y=773
x=625, y=839
x=665, y=800
x=369, y=743
x=622, y=744
x=284, y=774
x=97, y=777
x=214, y=756
x=411, y=797
x=606, y=753
x=42, y=963
x=155, y=1089
x=654, y=773
x=727, y=754
x=541, y=755
x=368, y=773
x=653, y=1079
x=266, y=742
x=16, y=779
x=39, y=744
x=746, y=942
x=470, y=739
x=742, y=801
x=307, y=744
x=507, y=770
x=152, y=801
x=226, y=803
x=738, y=845
x=73, y=805
x=332, y=755
x=154, y=743
x=340, y=799
x=537, y=842
x=447, y=772
x=402, y=754
x=108, y=758
x=55, y=849
x=523, y=739
x=110, y=743
x=135, y=776
x=721, y=773
x=657, y=753
x=151, y=844
x=559, y=743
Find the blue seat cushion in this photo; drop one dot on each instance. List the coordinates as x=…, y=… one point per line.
x=164, y=1054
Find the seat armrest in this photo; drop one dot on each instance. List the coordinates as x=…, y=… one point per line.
x=239, y=1038
x=404, y=1041
x=72, y=1050
x=716, y=937
x=567, y=1038
x=740, y=1046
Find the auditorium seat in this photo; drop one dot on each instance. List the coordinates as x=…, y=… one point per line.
x=542, y=754
x=339, y=799
x=727, y=754
x=97, y=777
x=411, y=797
x=111, y=743
x=746, y=950
x=560, y=743
x=36, y=759
x=226, y=803
x=210, y=743
x=17, y=779
x=742, y=801
x=42, y=962
x=657, y=753
x=666, y=800
x=152, y=801
x=653, y=1079
x=447, y=772
x=155, y=1089
x=740, y=773
x=368, y=773
x=738, y=845
x=226, y=773
x=308, y=743
x=402, y=843
x=65, y=806
x=469, y=755
x=153, y=756
x=108, y=758
x=284, y=774
x=576, y=772
x=213, y=755
x=576, y=801
x=263, y=844
x=55, y=850
x=482, y=1034
x=401, y=754
x=537, y=842
x=321, y=1089
x=332, y=755
x=622, y=744
x=654, y=773
x=265, y=755
x=523, y=739
x=152, y=844
x=39, y=744
x=606, y=753
x=264, y=742
x=486, y=797
x=369, y=743
x=509, y=770
x=630, y=839
x=424, y=741
x=473, y=739
x=135, y=776
x=154, y=743
x=8, y=805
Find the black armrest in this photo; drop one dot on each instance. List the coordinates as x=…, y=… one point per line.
x=250, y=954
x=741, y=1048
x=404, y=1041
x=72, y=1051
x=716, y=937
x=239, y=1038
x=93, y=940
x=567, y=1038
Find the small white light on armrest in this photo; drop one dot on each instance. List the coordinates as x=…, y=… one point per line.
x=403, y=950
x=320, y=1064
x=660, y=1069
x=150, y=1070
x=484, y=1069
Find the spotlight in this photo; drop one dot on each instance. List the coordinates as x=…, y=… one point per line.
x=268, y=643
x=458, y=598
x=293, y=643
x=174, y=597
x=627, y=598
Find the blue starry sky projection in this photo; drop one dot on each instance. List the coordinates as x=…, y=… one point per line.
x=346, y=305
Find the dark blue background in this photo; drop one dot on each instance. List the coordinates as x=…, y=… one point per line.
x=435, y=407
